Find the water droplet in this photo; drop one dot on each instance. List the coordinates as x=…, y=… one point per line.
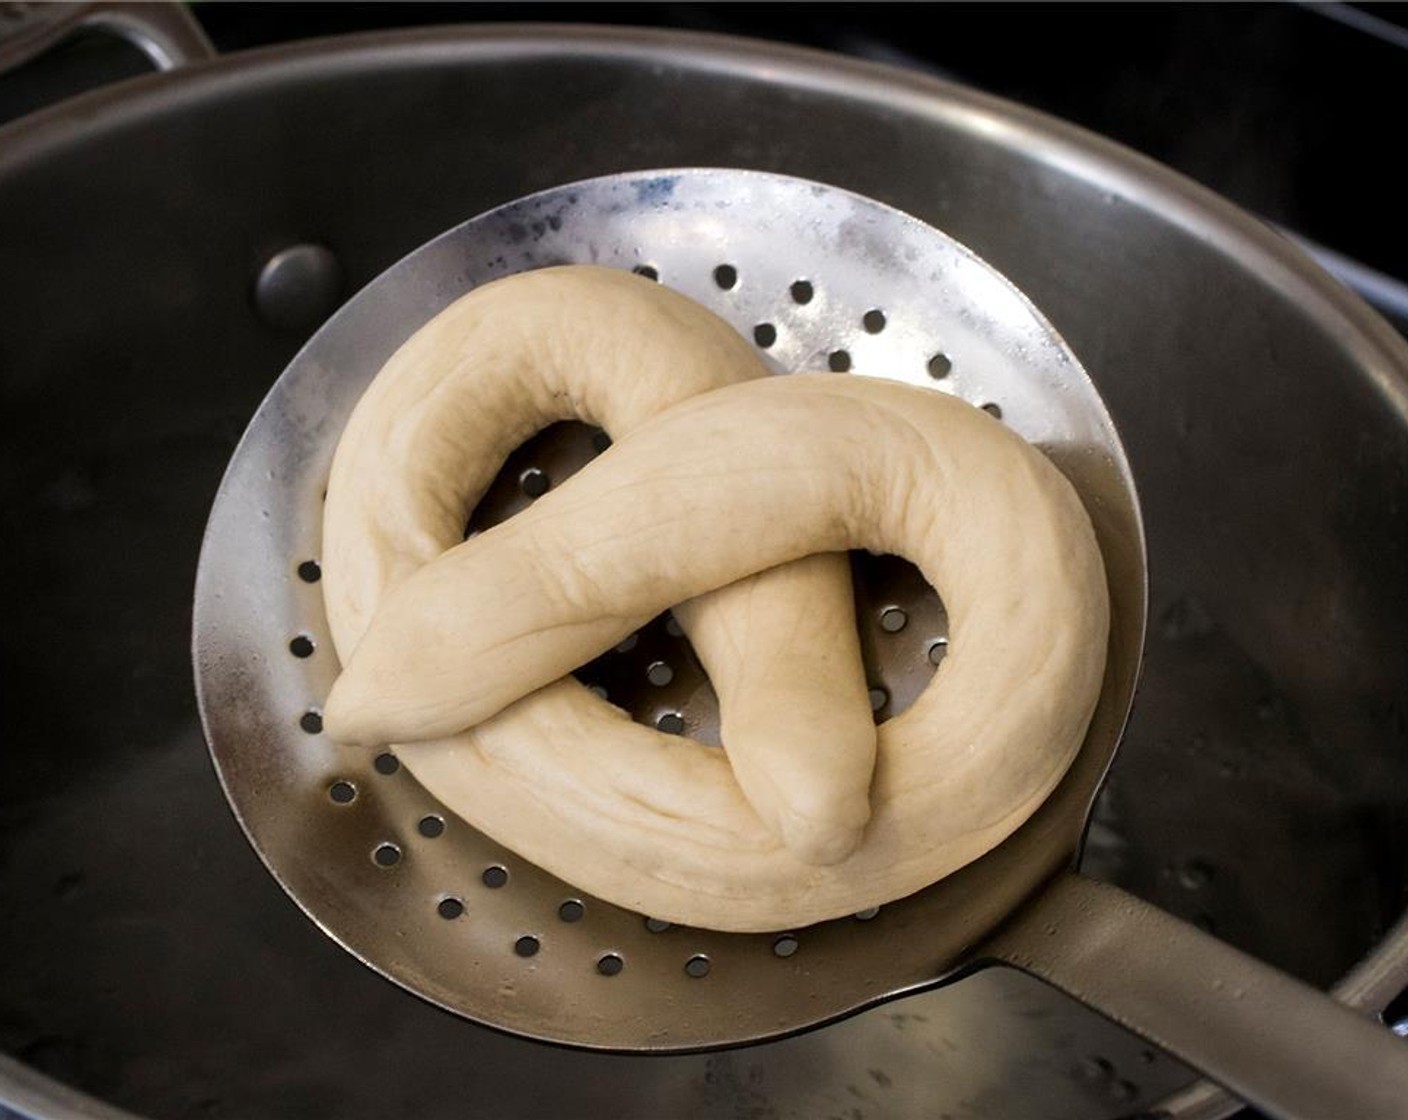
x=1195, y=874
x=1185, y=618
x=1124, y=1091
x=1096, y=1069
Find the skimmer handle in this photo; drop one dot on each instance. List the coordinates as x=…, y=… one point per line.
x=1274, y=1041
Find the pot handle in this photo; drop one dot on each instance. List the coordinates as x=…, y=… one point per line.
x=167, y=33
x=1274, y=1041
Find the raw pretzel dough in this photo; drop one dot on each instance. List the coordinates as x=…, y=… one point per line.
x=728, y=482
x=613, y=349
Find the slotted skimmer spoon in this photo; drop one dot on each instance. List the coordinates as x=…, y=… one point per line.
x=819, y=278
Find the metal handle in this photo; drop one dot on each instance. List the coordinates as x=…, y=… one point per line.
x=26, y=1093
x=1274, y=1041
x=166, y=33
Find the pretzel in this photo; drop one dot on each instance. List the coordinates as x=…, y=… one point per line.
x=462, y=659
x=613, y=349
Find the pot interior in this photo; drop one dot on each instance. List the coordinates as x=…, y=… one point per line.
x=1263, y=782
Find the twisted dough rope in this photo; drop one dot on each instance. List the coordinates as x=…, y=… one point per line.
x=741, y=478
x=610, y=348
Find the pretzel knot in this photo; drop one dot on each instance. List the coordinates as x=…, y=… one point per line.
x=731, y=496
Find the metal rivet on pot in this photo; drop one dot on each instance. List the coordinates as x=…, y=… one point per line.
x=298, y=287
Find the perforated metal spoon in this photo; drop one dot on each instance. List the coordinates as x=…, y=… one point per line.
x=819, y=278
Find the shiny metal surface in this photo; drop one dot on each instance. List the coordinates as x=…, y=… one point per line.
x=24, y=1092
x=166, y=33
x=361, y=868
x=1264, y=774
x=1273, y=1040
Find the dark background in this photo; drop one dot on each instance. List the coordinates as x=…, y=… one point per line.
x=1292, y=110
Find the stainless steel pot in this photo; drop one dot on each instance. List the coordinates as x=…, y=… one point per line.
x=169, y=242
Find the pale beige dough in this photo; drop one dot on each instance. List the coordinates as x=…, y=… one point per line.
x=610, y=348
x=724, y=484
